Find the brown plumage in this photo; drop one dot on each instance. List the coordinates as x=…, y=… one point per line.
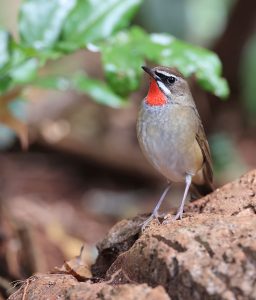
x=207, y=169
x=171, y=134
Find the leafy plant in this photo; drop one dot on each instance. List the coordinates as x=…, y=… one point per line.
x=49, y=30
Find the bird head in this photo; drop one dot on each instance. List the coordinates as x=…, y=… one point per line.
x=167, y=85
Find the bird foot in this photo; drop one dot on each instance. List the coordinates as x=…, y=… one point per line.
x=153, y=216
x=169, y=218
x=178, y=215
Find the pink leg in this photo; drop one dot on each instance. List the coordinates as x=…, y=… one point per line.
x=155, y=213
x=181, y=208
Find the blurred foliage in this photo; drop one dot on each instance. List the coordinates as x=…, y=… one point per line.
x=248, y=75
x=202, y=14
x=48, y=30
x=167, y=16
x=200, y=21
x=228, y=164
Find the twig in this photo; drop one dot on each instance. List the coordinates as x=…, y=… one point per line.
x=25, y=289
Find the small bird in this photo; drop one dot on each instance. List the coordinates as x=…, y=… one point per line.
x=172, y=137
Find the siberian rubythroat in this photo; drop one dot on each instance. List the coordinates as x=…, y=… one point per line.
x=171, y=135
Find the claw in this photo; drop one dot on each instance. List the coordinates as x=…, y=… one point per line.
x=155, y=214
x=178, y=215
x=146, y=223
x=181, y=208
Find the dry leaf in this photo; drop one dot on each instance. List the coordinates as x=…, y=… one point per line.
x=77, y=267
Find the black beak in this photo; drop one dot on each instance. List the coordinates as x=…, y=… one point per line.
x=150, y=72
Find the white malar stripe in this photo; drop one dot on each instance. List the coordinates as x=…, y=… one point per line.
x=164, y=88
x=166, y=74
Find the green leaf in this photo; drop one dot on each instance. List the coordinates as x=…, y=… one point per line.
x=122, y=61
x=53, y=82
x=98, y=90
x=94, y=20
x=190, y=60
x=40, y=21
x=123, y=55
x=4, y=47
x=5, y=84
x=25, y=72
x=17, y=60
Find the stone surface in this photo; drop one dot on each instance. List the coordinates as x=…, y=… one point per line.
x=232, y=199
x=66, y=287
x=103, y=291
x=209, y=254
x=203, y=257
x=118, y=240
x=45, y=287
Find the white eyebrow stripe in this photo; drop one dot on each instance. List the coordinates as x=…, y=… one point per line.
x=166, y=73
x=164, y=88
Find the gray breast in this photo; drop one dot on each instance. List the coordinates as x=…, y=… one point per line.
x=164, y=138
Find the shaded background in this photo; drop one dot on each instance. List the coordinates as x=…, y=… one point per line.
x=84, y=170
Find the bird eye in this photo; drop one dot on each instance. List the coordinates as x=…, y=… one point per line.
x=171, y=79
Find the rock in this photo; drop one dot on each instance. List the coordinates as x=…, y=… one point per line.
x=209, y=254
x=103, y=291
x=66, y=287
x=204, y=257
x=119, y=239
x=233, y=198
x=45, y=287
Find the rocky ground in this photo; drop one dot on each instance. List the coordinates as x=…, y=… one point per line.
x=209, y=254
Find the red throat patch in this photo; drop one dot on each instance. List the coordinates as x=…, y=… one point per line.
x=155, y=96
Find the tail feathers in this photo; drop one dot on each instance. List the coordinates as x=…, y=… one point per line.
x=198, y=191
